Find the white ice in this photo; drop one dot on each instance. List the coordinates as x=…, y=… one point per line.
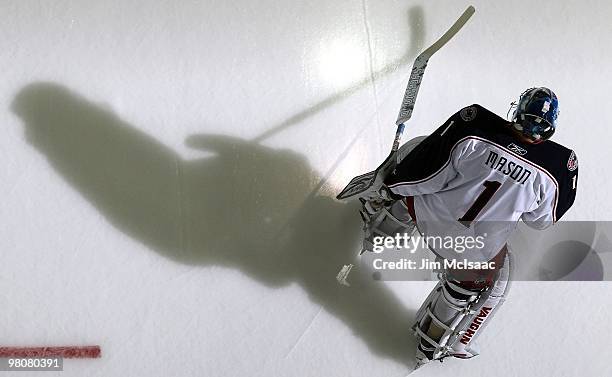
x=169, y=169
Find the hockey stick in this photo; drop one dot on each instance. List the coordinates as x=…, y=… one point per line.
x=373, y=179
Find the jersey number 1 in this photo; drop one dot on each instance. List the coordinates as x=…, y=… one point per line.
x=490, y=188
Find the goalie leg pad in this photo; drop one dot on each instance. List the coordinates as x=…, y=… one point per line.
x=455, y=313
x=490, y=302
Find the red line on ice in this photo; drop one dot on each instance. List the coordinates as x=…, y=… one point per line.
x=76, y=352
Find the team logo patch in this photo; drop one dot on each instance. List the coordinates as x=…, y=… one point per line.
x=518, y=150
x=572, y=163
x=468, y=114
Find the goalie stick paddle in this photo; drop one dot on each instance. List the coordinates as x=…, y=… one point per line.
x=364, y=182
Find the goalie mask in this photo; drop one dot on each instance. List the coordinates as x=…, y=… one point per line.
x=535, y=114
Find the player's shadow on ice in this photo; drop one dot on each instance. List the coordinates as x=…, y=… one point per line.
x=247, y=207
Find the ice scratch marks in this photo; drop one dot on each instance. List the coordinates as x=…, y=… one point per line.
x=304, y=332
x=366, y=26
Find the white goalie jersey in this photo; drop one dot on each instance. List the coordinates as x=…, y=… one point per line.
x=474, y=179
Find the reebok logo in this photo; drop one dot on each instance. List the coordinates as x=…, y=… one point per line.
x=518, y=150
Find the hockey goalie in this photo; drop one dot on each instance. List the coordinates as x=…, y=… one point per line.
x=477, y=174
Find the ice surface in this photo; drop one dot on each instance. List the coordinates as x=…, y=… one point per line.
x=169, y=169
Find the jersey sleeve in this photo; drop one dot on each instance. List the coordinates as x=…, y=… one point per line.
x=430, y=165
x=568, y=185
x=554, y=202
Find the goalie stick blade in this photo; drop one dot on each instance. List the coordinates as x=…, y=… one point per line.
x=343, y=274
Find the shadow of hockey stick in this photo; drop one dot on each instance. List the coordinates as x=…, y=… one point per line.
x=415, y=21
